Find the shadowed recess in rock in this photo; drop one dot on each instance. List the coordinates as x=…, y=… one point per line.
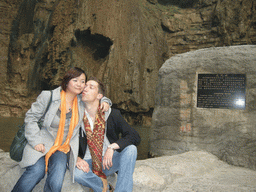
x=22, y=24
x=180, y=3
x=97, y=43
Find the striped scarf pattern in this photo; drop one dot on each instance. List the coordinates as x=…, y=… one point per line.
x=95, y=141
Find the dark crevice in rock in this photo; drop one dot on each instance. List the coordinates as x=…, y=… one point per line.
x=22, y=24
x=165, y=56
x=128, y=91
x=180, y=3
x=149, y=70
x=97, y=43
x=166, y=29
x=135, y=118
x=94, y=16
x=51, y=30
x=215, y=21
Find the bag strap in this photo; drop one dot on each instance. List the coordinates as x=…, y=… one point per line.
x=49, y=103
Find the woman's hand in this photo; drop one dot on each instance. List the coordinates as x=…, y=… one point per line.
x=104, y=107
x=40, y=148
x=82, y=165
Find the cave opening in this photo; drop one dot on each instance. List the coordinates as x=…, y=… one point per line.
x=97, y=43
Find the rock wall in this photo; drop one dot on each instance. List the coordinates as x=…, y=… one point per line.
x=202, y=24
x=108, y=39
x=122, y=43
x=7, y=14
x=178, y=125
x=8, y=11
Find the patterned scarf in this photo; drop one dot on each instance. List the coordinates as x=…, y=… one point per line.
x=65, y=148
x=95, y=141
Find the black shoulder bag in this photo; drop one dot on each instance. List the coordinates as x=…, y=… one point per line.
x=19, y=142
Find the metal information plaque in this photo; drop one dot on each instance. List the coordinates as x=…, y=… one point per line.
x=221, y=91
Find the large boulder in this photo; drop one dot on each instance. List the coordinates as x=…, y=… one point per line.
x=191, y=171
x=178, y=125
x=10, y=172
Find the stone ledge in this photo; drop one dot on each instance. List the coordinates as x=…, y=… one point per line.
x=190, y=171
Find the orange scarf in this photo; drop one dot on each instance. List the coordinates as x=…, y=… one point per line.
x=65, y=148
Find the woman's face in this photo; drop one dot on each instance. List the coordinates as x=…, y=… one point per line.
x=76, y=85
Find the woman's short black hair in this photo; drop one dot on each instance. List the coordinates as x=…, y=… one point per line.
x=70, y=74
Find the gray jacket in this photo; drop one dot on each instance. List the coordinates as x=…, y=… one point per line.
x=36, y=136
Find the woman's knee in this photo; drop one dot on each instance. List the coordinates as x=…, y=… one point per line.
x=38, y=169
x=58, y=162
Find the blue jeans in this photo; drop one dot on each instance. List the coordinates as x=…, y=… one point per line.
x=123, y=162
x=33, y=174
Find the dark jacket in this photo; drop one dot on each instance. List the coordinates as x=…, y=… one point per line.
x=116, y=125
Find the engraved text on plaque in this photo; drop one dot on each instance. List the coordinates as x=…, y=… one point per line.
x=221, y=91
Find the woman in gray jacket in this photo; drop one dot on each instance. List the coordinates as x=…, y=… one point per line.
x=50, y=148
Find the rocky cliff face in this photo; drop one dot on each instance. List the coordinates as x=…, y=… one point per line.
x=8, y=10
x=208, y=23
x=124, y=43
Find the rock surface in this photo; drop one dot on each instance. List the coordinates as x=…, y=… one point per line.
x=10, y=172
x=8, y=11
x=208, y=23
x=179, y=125
x=110, y=40
x=123, y=43
x=191, y=171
